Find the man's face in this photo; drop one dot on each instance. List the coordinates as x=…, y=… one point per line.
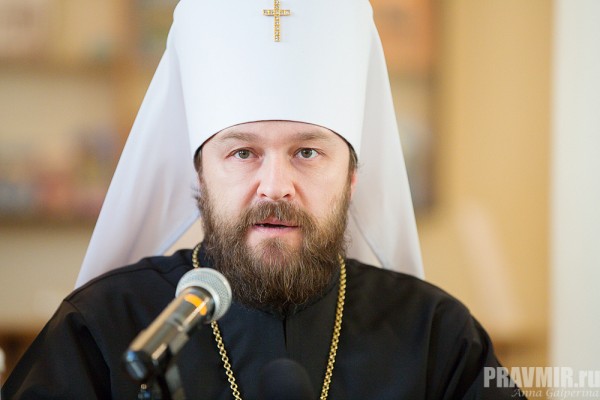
x=275, y=195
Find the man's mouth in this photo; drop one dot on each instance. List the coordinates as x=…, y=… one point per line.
x=271, y=226
x=275, y=223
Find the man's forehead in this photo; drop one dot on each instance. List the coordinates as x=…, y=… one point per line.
x=275, y=130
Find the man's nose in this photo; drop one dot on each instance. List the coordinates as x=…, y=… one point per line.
x=276, y=179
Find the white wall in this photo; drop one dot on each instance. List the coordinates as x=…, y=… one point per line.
x=575, y=210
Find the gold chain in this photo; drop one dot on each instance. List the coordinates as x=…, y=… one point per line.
x=228, y=370
x=337, y=328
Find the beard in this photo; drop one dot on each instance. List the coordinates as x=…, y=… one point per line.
x=273, y=274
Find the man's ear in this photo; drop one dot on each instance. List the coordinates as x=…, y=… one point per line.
x=353, y=181
x=198, y=160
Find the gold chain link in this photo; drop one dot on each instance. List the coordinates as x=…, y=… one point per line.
x=337, y=328
x=228, y=371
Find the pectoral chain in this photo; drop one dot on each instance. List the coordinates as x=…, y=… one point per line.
x=337, y=328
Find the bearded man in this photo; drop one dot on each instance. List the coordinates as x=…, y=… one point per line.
x=274, y=201
x=276, y=127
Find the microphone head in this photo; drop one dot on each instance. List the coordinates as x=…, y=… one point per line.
x=214, y=283
x=285, y=379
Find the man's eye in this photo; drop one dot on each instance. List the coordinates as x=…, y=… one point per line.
x=242, y=154
x=308, y=153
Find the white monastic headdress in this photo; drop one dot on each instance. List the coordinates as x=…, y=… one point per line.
x=222, y=67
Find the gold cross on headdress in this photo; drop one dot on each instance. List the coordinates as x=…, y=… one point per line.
x=276, y=12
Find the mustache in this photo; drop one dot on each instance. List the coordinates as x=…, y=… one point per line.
x=282, y=210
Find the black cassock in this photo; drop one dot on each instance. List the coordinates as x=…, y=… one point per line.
x=401, y=338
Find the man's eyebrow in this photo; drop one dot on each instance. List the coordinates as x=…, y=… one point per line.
x=314, y=135
x=236, y=135
x=250, y=136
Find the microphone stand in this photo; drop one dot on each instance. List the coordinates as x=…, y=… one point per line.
x=201, y=294
x=165, y=386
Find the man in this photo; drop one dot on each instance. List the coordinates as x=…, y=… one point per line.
x=276, y=126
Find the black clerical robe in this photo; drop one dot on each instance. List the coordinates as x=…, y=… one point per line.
x=401, y=338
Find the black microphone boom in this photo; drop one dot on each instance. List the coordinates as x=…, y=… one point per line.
x=203, y=295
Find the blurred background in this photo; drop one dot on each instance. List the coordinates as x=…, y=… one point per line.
x=492, y=98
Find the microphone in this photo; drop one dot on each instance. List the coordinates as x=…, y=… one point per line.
x=202, y=295
x=285, y=379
